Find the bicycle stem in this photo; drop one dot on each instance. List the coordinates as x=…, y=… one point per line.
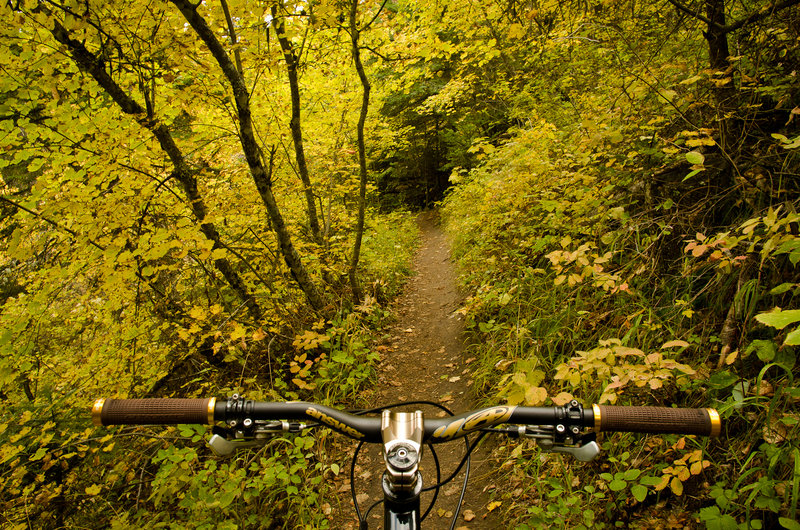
x=401, y=433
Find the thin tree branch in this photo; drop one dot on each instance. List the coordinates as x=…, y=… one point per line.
x=693, y=14
x=380, y=9
x=758, y=15
x=47, y=220
x=232, y=34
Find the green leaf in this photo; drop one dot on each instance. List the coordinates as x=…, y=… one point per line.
x=779, y=319
x=789, y=524
x=782, y=288
x=795, y=143
x=791, y=247
x=695, y=158
x=722, y=379
x=690, y=175
x=793, y=338
x=648, y=480
x=765, y=349
x=617, y=485
x=632, y=474
x=639, y=492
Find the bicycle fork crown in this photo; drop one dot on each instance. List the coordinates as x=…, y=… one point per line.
x=402, y=447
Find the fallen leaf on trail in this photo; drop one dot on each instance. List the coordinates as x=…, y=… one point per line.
x=362, y=498
x=452, y=490
x=471, y=359
x=469, y=515
x=446, y=399
x=408, y=330
x=454, y=379
x=494, y=505
x=441, y=350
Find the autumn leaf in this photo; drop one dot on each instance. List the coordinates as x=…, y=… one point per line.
x=676, y=486
x=94, y=489
x=562, y=398
x=674, y=344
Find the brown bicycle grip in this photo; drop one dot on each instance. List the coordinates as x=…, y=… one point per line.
x=657, y=420
x=162, y=411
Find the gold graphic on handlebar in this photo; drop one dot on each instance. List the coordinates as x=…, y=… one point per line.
x=482, y=418
x=331, y=422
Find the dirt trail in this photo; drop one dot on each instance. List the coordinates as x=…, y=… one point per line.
x=424, y=360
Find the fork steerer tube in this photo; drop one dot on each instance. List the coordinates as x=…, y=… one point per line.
x=401, y=507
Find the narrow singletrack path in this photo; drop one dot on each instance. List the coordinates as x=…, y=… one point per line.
x=423, y=359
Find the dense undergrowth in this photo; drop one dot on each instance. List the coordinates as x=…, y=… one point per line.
x=585, y=285
x=60, y=472
x=570, y=301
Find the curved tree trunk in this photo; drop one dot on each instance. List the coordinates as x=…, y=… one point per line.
x=294, y=124
x=358, y=293
x=252, y=152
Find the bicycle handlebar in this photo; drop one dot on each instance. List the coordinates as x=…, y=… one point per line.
x=238, y=411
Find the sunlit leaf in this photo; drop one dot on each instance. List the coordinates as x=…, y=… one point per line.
x=779, y=319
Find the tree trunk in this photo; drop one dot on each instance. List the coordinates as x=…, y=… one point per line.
x=294, y=124
x=358, y=293
x=718, y=54
x=252, y=152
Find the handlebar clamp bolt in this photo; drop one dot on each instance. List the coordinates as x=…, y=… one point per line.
x=560, y=429
x=247, y=422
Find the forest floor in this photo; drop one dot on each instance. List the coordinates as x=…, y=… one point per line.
x=423, y=358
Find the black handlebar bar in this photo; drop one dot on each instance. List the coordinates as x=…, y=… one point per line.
x=238, y=412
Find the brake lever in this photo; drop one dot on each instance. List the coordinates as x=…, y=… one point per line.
x=582, y=446
x=583, y=453
x=221, y=446
x=225, y=442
